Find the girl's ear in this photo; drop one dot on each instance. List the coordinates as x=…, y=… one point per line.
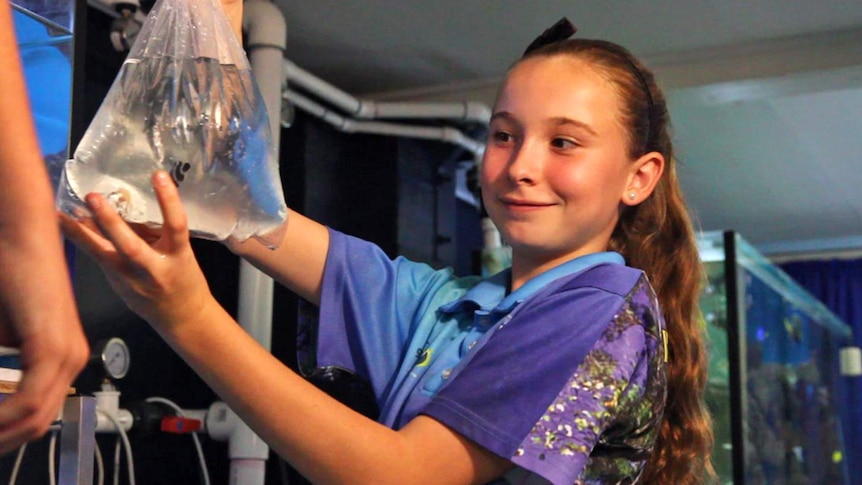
x=644, y=176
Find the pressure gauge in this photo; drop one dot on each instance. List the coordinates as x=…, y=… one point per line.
x=115, y=358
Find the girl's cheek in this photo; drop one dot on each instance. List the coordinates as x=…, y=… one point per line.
x=485, y=173
x=493, y=164
x=562, y=177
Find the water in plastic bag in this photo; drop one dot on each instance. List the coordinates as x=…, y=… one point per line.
x=184, y=101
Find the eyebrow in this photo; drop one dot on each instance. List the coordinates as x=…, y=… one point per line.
x=557, y=120
x=562, y=120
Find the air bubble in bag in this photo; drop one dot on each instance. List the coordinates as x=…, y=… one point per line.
x=184, y=101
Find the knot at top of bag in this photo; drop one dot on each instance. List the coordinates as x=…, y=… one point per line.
x=189, y=29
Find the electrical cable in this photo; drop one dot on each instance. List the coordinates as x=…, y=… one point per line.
x=126, y=444
x=52, y=450
x=117, y=460
x=17, y=466
x=204, y=472
x=100, y=465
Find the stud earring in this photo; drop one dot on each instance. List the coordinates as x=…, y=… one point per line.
x=632, y=195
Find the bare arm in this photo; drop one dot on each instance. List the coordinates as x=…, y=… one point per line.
x=37, y=307
x=298, y=262
x=325, y=440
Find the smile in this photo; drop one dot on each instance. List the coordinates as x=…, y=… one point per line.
x=523, y=205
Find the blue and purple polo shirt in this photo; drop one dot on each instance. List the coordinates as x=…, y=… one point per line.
x=564, y=377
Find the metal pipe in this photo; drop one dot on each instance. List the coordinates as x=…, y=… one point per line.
x=77, y=440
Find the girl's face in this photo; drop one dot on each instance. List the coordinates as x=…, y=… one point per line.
x=556, y=168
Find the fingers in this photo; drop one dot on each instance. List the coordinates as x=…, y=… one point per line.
x=175, y=232
x=53, y=350
x=27, y=414
x=116, y=230
x=106, y=229
x=147, y=268
x=150, y=234
x=18, y=423
x=84, y=234
x=50, y=364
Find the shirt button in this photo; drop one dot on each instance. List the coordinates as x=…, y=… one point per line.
x=446, y=373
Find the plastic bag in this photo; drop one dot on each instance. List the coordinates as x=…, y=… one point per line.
x=184, y=101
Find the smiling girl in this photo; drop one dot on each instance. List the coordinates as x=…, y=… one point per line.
x=583, y=363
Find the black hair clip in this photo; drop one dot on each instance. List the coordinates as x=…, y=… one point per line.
x=558, y=32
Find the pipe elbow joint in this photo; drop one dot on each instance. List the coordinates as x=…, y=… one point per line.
x=264, y=24
x=367, y=110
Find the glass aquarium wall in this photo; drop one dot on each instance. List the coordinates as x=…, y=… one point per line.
x=774, y=380
x=44, y=30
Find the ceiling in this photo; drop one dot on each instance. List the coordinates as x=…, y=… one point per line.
x=766, y=95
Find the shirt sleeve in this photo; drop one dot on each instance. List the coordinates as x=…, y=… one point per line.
x=368, y=306
x=546, y=385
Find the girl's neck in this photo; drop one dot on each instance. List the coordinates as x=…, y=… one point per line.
x=525, y=267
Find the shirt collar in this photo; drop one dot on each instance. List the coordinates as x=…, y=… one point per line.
x=490, y=293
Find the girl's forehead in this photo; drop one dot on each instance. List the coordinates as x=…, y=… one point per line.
x=561, y=84
x=558, y=74
x=568, y=64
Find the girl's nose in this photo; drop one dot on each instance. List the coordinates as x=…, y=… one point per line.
x=525, y=166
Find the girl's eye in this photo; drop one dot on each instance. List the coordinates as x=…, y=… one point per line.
x=502, y=136
x=563, y=143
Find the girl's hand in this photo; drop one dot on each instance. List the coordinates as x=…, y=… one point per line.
x=154, y=272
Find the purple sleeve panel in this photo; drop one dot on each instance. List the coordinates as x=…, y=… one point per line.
x=561, y=444
x=501, y=390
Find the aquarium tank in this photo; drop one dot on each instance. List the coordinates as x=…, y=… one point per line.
x=774, y=386
x=44, y=31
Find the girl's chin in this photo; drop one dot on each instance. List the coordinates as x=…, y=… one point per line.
x=527, y=247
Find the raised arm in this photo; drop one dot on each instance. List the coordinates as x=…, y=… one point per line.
x=37, y=308
x=298, y=262
x=323, y=439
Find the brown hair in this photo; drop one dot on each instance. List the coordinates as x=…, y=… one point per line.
x=657, y=237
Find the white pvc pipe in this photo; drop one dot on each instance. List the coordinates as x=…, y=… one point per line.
x=121, y=416
x=254, y=310
x=266, y=32
x=314, y=108
x=324, y=90
x=463, y=111
x=850, y=359
x=445, y=133
x=266, y=39
x=220, y=421
x=247, y=472
x=468, y=111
